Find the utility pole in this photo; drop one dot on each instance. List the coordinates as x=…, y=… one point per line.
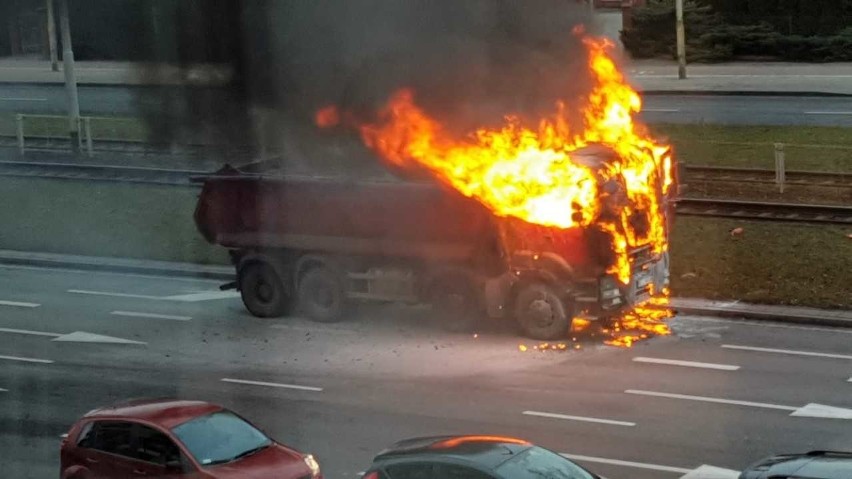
x=681, y=41
x=70, y=77
x=51, y=36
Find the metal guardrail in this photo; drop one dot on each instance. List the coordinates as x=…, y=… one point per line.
x=120, y=174
x=84, y=126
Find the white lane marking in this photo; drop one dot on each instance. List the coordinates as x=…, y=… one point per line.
x=787, y=351
x=23, y=99
x=823, y=411
x=110, y=273
x=809, y=410
x=710, y=399
x=711, y=472
x=762, y=324
x=108, y=293
x=689, y=364
x=84, y=337
x=19, y=304
x=133, y=314
x=26, y=360
x=660, y=110
x=274, y=385
x=577, y=418
x=312, y=329
x=27, y=331
x=619, y=462
x=850, y=380
x=3, y=390
x=202, y=296
x=828, y=112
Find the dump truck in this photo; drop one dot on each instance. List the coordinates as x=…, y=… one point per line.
x=317, y=244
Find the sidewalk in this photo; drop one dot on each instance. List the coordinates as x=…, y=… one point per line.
x=15, y=70
x=660, y=76
x=701, y=307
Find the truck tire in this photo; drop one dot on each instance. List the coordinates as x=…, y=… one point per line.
x=455, y=304
x=262, y=291
x=541, y=313
x=321, y=295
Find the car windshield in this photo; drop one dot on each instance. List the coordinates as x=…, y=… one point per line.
x=538, y=463
x=220, y=437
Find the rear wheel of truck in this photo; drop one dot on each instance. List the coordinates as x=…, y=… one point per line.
x=262, y=291
x=454, y=303
x=541, y=313
x=321, y=295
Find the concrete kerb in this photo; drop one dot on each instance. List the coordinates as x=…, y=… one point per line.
x=226, y=273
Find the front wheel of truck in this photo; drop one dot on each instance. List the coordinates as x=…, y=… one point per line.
x=541, y=313
x=262, y=291
x=321, y=294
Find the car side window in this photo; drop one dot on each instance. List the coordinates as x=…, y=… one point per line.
x=86, y=438
x=451, y=471
x=155, y=447
x=110, y=436
x=411, y=471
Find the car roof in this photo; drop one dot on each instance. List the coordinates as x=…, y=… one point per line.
x=164, y=412
x=813, y=464
x=485, y=451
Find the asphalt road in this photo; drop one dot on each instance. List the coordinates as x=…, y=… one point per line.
x=388, y=374
x=747, y=109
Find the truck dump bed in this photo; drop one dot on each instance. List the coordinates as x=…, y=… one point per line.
x=395, y=219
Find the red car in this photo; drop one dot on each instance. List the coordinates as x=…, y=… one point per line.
x=169, y=438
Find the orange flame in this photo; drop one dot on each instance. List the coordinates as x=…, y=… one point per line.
x=529, y=173
x=327, y=117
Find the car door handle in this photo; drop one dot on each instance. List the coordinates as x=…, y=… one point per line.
x=140, y=472
x=91, y=460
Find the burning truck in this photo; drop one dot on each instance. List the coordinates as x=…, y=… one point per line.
x=545, y=224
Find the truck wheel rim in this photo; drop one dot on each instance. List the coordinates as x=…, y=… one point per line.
x=540, y=313
x=264, y=291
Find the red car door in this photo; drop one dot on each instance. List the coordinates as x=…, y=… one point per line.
x=104, y=448
x=158, y=456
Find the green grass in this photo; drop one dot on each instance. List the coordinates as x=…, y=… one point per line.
x=49, y=126
x=770, y=263
x=102, y=219
x=806, y=147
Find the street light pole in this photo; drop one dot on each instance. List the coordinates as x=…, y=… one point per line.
x=681, y=41
x=70, y=77
x=51, y=36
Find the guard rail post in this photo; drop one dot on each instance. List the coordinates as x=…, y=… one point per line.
x=87, y=128
x=780, y=172
x=19, y=127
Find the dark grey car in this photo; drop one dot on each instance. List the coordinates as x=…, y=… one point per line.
x=810, y=465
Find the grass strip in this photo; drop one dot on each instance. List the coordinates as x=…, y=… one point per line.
x=50, y=126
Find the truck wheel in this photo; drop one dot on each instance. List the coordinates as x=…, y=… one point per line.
x=262, y=291
x=321, y=295
x=541, y=313
x=454, y=303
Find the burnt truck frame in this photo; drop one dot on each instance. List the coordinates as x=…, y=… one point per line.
x=410, y=242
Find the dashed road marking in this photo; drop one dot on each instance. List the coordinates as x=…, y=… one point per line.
x=689, y=364
x=19, y=304
x=134, y=314
x=660, y=110
x=3, y=390
x=619, y=462
x=75, y=337
x=203, y=296
x=578, y=418
x=787, y=351
x=26, y=360
x=273, y=385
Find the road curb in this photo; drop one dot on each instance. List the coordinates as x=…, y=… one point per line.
x=117, y=265
x=744, y=93
x=744, y=313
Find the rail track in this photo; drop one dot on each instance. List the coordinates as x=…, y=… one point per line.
x=719, y=208
x=722, y=174
x=758, y=210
